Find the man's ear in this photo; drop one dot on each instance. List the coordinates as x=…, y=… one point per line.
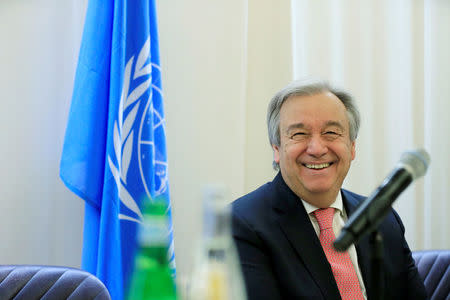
x=353, y=150
x=276, y=154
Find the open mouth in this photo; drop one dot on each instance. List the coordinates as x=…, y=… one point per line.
x=318, y=166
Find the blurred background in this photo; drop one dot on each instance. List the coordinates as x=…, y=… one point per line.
x=221, y=63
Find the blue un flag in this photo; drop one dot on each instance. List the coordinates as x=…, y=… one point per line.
x=114, y=154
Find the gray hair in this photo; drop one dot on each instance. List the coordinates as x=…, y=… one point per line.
x=308, y=88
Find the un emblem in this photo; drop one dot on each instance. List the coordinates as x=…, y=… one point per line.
x=139, y=165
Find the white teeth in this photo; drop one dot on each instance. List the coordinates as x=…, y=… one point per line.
x=318, y=166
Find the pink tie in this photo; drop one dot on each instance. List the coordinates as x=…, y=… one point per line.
x=341, y=264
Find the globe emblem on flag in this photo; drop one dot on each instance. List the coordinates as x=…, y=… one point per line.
x=149, y=152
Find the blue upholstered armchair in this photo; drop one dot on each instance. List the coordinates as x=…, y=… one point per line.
x=30, y=282
x=434, y=267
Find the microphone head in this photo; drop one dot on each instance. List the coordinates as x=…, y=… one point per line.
x=416, y=162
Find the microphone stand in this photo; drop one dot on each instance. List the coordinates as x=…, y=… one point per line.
x=376, y=260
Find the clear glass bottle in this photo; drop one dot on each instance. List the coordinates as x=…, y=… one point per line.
x=217, y=274
x=152, y=279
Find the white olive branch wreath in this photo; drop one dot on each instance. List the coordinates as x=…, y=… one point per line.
x=123, y=133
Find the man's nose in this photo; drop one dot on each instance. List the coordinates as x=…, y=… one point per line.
x=316, y=146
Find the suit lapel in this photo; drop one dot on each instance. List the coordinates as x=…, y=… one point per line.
x=297, y=227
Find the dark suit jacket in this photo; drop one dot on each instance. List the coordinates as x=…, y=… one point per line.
x=282, y=258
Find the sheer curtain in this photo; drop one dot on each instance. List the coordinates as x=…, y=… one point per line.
x=393, y=56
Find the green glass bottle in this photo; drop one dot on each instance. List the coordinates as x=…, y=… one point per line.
x=152, y=279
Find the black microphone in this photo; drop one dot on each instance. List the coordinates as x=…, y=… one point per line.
x=412, y=165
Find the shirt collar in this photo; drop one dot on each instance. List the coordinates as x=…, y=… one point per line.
x=337, y=204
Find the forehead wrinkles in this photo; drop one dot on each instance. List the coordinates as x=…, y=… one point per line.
x=303, y=111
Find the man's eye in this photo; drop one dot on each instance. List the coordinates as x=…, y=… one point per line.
x=331, y=135
x=298, y=135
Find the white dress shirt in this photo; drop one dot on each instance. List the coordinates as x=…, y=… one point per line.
x=339, y=219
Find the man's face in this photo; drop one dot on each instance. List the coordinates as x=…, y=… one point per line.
x=315, y=149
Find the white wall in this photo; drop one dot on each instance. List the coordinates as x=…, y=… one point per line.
x=203, y=64
x=269, y=60
x=40, y=221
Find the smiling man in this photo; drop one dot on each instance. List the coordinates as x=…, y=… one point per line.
x=284, y=230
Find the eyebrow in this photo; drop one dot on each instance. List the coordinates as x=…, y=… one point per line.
x=295, y=126
x=303, y=126
x=334, y=123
